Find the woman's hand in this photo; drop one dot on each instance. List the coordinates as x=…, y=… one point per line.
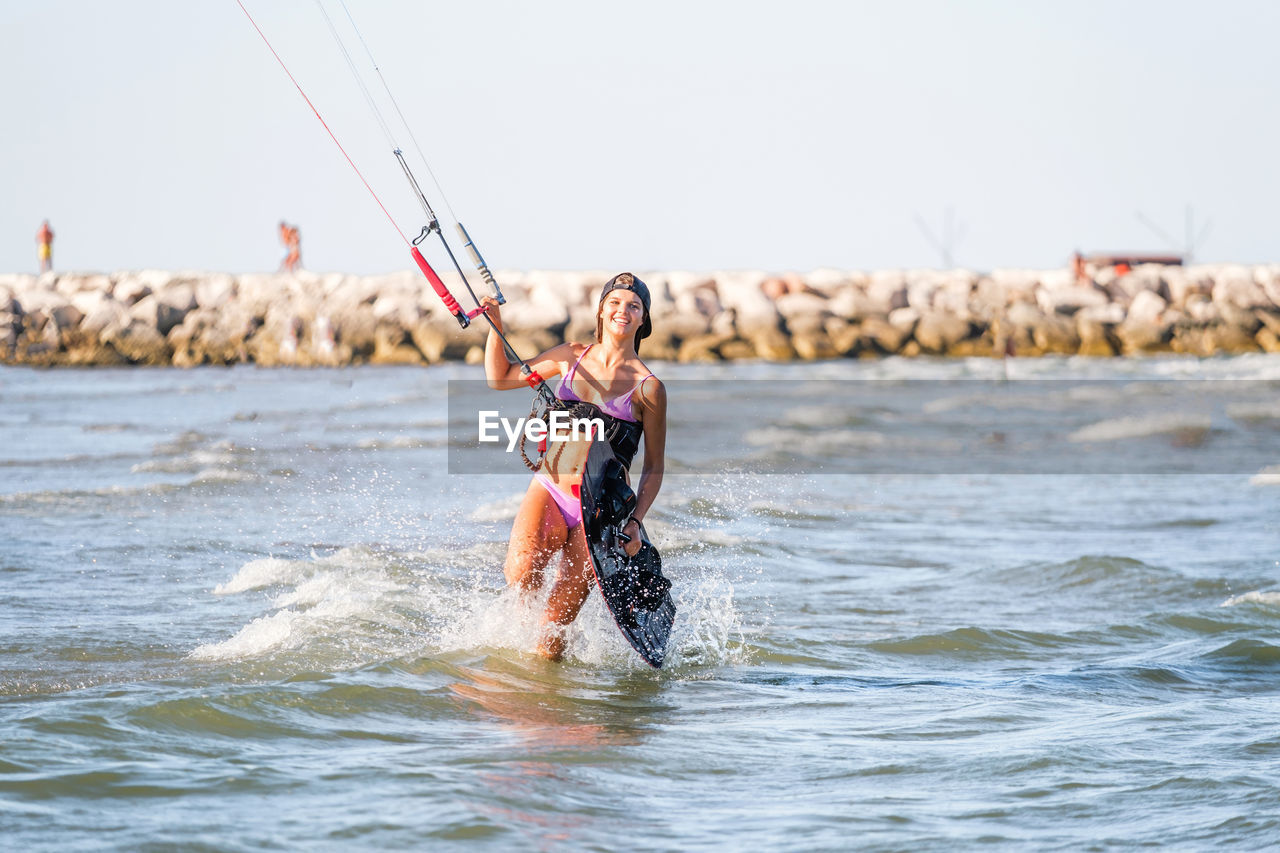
x=632, y=529
x=490, y=306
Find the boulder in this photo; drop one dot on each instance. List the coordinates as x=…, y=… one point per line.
x=1144, y=328
x=752, y=310
x=138, y=342
x=130, y=288
x=737, y=349
x=771, y=344
x=988, y=299
x=803, y=312
x=827, y=281
x=1236, y=286
x=214, y=291
x=887, y=291
x=1024, y=315
x=159, y=315
x=852, y=303
x=813, y=345
x=41, y=307
x=882, y=336
x=103, y=313
x=1268, y=340
x=938, y=332
x=1094, y=338
x=700, y=349
x=1055, y=334
x=846, y=338
x=1069, y=299
x=1108, y=314
x=1146, y=307
x=543, y=309
x=1201, y=309
x=1269, y=319
x=904, y=319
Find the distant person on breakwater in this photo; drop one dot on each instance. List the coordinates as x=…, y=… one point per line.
x=1079, y=270
x=292, y=240
x=44, y=240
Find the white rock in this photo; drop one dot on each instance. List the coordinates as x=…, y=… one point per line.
x=106, y=313
x=215, y=290
x=1024, y=314
x=887, y=290
x=904, y=318
x=794, y=305
x=129, y=288
x=1146, y=307
x=1110, y=313
x=1235, y=285
x=544, y=308
x=741, y=294
x=851, y=302
x=827, y=280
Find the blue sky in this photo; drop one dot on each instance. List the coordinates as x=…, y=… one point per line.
x=662, y=135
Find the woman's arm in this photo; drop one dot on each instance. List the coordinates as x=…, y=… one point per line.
x=501, y=373
x=653, y=406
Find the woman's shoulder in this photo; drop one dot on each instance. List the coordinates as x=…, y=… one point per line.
x=650, y=388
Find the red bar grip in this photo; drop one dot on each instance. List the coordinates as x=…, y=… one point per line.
x=533, y=379
x=438, y=286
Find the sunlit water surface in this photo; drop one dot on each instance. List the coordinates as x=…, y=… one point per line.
x=253, y=609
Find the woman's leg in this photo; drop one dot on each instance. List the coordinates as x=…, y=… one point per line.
x=568, y=593
x=538, y=532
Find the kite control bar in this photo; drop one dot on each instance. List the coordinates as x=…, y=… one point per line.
x=464, y=318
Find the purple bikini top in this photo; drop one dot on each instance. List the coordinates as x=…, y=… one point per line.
x=619, y=407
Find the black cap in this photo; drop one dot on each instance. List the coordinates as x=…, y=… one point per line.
x=629, y=281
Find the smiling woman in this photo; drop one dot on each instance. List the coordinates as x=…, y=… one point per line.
x=609, y=376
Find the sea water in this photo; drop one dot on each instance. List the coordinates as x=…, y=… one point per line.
x=921, y=605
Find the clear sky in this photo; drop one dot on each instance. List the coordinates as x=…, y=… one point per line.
x=696, y=134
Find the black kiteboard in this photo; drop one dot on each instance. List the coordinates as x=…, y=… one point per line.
x=633, y=588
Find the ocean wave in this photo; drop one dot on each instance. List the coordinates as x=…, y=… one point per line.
x=1248, y=651
x=1088, y=572
x=188, y=462
x=1119, y=429
x=331, y=597
x=1270, y=598
x=1250, y=412
x=1269, y=476
x=975, y=642
x=503, y=509
x=364, y=606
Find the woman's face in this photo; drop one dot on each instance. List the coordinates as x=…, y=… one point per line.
x=622, y=312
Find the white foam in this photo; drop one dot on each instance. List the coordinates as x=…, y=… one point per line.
x=1254, y=597
x=1269, y=411
x=223, y=475
x=1269, y=476
x=814, y=416
x=499, y=510
x=264, y=633
x=360, y=605
x=783, y=438
x=331, y=596
x=1118, y=429
x=260, y=573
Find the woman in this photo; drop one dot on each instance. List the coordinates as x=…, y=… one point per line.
x=610, y=375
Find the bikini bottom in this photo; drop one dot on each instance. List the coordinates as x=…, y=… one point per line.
x=570, y=505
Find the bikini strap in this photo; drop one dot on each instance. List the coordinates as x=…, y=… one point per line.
x=636, y=388
x=573, y=371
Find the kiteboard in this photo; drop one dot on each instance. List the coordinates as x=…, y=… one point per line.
x=634, y=589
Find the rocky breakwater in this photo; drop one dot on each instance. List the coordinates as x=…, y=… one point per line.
x=187, y=319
